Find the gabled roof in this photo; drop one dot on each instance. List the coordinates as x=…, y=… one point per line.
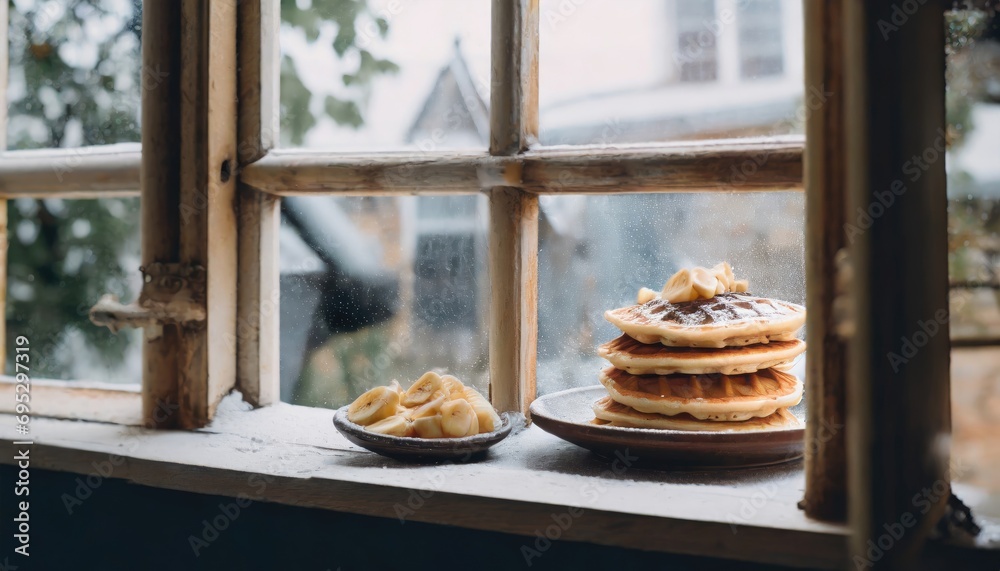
x=457, y=102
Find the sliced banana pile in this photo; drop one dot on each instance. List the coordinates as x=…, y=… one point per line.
x=435, y=406
x=696, y=283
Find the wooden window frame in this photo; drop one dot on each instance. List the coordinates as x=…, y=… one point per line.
x=193, y=367
x=513, y=172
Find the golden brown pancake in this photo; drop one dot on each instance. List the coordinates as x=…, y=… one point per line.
x=727, y=319
x=705, y=397
x=616, y=414
x=638, y=358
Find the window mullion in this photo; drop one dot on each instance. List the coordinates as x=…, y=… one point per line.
x=513, y=223
x=826, y=462
x=258, y=289
x=159, y=205
x=189, y=248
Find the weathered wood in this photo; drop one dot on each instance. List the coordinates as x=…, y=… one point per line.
x=207, y=359
x=258, y=54
x=160, y=184
x=88, y=172
x=257, y=331
x=514, y=293
x=726, y=166
x=513, y=253
x=309, y=172
x=78, y=400
x=898, y=378
x=257, y=336
x=826, y=461
x=302, y=461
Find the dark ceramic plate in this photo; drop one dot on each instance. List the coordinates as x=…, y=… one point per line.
x=469, y=448
x=569, y=415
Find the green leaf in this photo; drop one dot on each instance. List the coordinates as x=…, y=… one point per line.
x=343, y=111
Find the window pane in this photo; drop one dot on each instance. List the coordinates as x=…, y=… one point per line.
x=762, y=51
x=385, y=74
x=973, y=105
x=381, y=288
x=596, y=252
x=63, y=256
x=75, y=73
x=670, y=70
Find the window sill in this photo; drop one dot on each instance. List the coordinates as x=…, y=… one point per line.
x=293, y=455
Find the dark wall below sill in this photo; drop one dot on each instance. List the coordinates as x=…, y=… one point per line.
x=124, y=526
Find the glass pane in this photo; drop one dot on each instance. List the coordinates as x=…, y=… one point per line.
x=596, y=252
x=973, y=106
x=670, y=70
x=385, y=74
x=75, y=73
x=63, y=256
x=381, y=288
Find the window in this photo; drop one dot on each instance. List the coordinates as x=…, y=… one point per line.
x=761, y=38
x=683, y=73
x=72, y=83
x=454, y=234
x=379, y=288
x=697, y=41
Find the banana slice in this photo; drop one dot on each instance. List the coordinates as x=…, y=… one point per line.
x=719, y=287
x=431, y=407
x=428, y=427
x=394, y=385
x=703, y=282
x=422, y=389
x=679, y=287
x=488, y=418
x=452, y=385
x=646, y=294
x=396, y=425
x=698, y=282
x=724, y=273
x=373, y=406
x=458, y=419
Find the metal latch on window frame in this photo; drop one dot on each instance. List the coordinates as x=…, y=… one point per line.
x=172, y=293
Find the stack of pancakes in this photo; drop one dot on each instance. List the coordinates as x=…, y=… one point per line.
x=713, y=361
